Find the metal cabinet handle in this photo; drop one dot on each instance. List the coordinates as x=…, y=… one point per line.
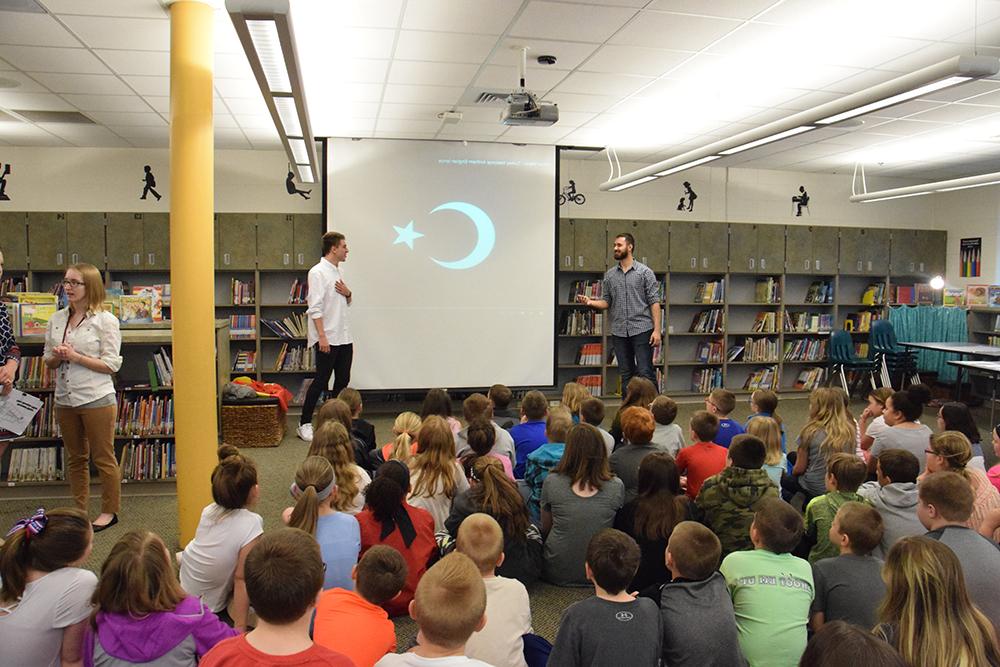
x=806, y=267
x=59, y=259
x=151, y=258
x=704, y=262
x=859, y=266
x=286, y=258
x=302, y=259
x=135, y=259
x=763, y=264
x=913, y=266
x=921, y=267
x=869, y=265
x=74, y=258
x=817, y=265
x=694, y=262
x=750, y=263
x=225, y=258
x=644, y=260
x=579, y=260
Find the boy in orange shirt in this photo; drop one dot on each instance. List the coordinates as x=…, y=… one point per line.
x=704, y=458
x=354, y=623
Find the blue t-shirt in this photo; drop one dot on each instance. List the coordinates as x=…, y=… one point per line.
x=528, y=437
x=339, y=537
x=728, y=429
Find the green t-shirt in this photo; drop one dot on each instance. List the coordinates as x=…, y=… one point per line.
x=819, y=517
x=771, y=597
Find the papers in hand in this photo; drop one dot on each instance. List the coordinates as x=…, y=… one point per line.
x=17, y=409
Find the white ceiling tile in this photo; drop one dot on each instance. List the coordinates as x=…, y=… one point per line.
x=557, y=20
x=467, y=129
x=585, y=103
x=232, y=66
x=734, y=9
x=138, y=119
x=5, y=66
x=352, y=13
x=345, y=127
x=83, y=84
x=247, y=105
x=401, y=111
x=254, y=121
x=224, y=35
x=33, y=102
x=25, y=134
x=225, y=120
x=633, y=60
x=986, y=99
x=149, y=85
x=26, y=84
x=229, y=88
x=130, y=8
x=329, y=101
x=952, y=113
x=570, y=55
x=906, y=109
x=84, y=135
x=574, y=118
x=230, y=138
x=679, y=31
x=108, y=32
x=359, y=70
x=144, y=137
x=52, y=59
x=860, y=81
x=160, y=104
x=490, y=17
x=327, y=46
x=34, y=30
x=435, y=74
x=263, y=138
x=107, y=102
x=534, y=135
x=443, y=46
x=486, y=113
x=150, y=63
x=906, y=128
x=406, y=126
x=594, y=83
x=964, y=91
x=504, y=77
x=403, y=94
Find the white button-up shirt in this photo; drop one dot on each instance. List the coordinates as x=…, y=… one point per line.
x=325, y=302
x=97, y=336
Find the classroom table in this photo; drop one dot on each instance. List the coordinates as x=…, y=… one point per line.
x=991, y=368
x=962, y=349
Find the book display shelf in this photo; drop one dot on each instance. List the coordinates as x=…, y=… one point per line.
x=745, y=306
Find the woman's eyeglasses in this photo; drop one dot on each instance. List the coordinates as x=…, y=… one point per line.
x=73, y=283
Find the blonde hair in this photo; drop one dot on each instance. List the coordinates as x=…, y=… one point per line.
x=450, y=601
x=927, y=602
x=573, y=396
x=828, y=414
x=769, y=432
x=481, y=539
x=434, y=465
x=315, y=473
x=93, y=283
x=332, y=442
x=406, y=426
x=954, y=447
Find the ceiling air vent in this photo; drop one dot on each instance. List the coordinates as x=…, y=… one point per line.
x=21, y=6
x=490, y=97
x=55, y=117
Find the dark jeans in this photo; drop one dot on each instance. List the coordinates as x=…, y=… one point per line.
x=635, y=357
x=790, y=484
x=336, y=362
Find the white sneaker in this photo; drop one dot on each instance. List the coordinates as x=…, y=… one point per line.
x=305, y=432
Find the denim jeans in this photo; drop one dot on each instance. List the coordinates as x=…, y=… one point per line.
x=635, y=357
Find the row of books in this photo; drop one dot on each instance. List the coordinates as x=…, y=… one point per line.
x=710, y=292
x=161, y=369
x=243, y=327
x=709, y=321
x=44, y=424
x=30, y=312
x=765, y=322
x=861, y=350
x=710, y=351
x=145, y=415
x=34, y=464
x=820, y=291
x=297, y=358
x=13, y=284
x=246, y=361
x=299, y=291
x=592, y=383
x=805, y=349
x=861, y=322
x=704, y=380
x=874, y=294
x=810, y=378
x=993, y=340
x=293, y=326
x=590, y=354
x=763, y=350
x=148, y=460
x=588, y=288
x=580, y=323
x=763, y=378
x=34, y=374
x=802, y=322
x=767, y=290
x=242, y=292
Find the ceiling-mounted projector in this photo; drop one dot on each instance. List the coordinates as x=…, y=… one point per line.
x=523, y=107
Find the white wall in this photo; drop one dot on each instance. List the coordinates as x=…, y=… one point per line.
x=111, y=179
x=968, y=214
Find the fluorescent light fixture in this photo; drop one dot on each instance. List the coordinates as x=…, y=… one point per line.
x=688, y=165
x=766, y=140
x=264, y=35
x=895, y=99
x=299, y=154
x=305, y=173
x=289, y=116
x=951, y=72
x=632, y=184
x=951, y=185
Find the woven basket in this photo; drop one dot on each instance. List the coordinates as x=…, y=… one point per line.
x=254, y=423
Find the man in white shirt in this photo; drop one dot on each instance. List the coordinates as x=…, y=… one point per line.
x=329, y=330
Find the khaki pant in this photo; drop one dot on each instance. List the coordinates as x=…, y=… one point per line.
x=89, y=435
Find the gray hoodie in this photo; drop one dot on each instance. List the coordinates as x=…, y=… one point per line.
x=897, y=503
x=699, y=624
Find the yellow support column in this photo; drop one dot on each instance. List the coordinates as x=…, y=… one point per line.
x=192, y=262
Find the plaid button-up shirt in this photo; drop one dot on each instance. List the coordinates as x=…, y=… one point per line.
x=629, y=295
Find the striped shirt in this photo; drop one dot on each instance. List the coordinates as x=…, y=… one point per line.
x=629, y=295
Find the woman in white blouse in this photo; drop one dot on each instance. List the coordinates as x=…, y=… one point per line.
x=83, y=346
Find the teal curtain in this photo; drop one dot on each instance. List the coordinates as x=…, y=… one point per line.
x=920, y=324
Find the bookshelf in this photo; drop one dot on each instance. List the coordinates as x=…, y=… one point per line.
x=144, y=439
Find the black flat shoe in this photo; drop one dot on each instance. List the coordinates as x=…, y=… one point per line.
x=114, y=520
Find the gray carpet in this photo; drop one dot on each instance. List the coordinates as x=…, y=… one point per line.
x=143, y=509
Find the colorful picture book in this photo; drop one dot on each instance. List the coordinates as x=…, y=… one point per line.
x=994, y=296
x=925, y=295
x=977, y=295
x=136, y=308
x=953, y=296
x=155, y=293
x=33, y=318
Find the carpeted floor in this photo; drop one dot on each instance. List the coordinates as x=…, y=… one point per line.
x=277, y=466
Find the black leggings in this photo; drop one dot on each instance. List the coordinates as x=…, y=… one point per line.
x=336, y=362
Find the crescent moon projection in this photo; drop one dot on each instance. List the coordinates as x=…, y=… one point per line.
x=485, y=232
